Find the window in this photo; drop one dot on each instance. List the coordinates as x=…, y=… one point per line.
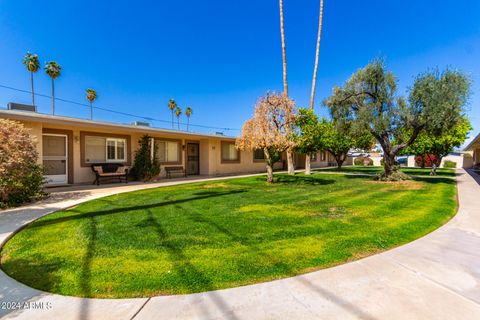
x=323, y=156
x=167, y=151
x=115, y=150
x=103, y=149
x=229, y=152
x=313, y=156
x=258, y=155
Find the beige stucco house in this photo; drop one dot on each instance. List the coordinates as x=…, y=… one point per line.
x=67, y=148
x=474, y=148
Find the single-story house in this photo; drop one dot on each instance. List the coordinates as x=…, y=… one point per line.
x=474, y=148
x=67, y=148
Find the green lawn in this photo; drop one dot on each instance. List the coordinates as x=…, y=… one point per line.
x=410, y=171
x=221, y=234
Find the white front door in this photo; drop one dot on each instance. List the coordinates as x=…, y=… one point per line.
x=55, y=158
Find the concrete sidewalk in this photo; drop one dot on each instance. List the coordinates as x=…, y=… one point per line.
x=435, y=277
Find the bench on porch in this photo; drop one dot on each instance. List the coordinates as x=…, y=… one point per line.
x=110, y=171
x=176, y=169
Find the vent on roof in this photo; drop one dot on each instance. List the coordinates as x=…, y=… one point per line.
x=140, y=123
x=21, y=107
x=219, y=133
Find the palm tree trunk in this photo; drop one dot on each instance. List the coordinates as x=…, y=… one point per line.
x=188, y=123
x=53, y=96
x=91, y=110
x=317, y=53
x=308, y=170
x=178, y=123
x=33, y=91
x=291, y=169
x=173, y=121
x=284, y=50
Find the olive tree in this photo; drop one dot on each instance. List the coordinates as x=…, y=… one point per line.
x=369, y=100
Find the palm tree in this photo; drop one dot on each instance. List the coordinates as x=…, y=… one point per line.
x=53, y=70
x=172, y=105
x=317, y=53
x=91, y=96
x=178, y=113
x=284, y=50
x=314, y=80
x=188, y=113
x=291, y=169
x=33, y=65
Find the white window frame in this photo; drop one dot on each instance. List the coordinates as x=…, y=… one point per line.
x=116, y=141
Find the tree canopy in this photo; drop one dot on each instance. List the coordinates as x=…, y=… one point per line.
x=270, y=128
x=369, y=101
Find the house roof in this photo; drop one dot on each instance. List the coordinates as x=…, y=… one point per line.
x=47, y=118
x=475, y=143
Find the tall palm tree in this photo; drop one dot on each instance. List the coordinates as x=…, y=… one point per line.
x=91, y=96
x=33, y=65
x=317, y=53
x=284, y=50
x=291, y=169
x=53, y=70
x=188, y=113
x=314, y=80
x=172, y=105
x=178, y=113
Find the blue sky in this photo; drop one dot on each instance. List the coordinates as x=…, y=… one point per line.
x=220, y=56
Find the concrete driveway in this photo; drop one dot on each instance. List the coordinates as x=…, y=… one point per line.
x=435, y=277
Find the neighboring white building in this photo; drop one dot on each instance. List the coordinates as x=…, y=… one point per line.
x=462, y=159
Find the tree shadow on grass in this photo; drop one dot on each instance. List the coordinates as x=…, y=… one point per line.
x=427, y=179
x=86, y=272
x=189, y=272
x=301, y=180
x=198, y=196
x=34, y=272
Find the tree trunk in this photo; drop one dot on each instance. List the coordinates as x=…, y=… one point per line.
x=53, y=96
x=188, y=123
x=317, y=53
x=308, y=170
x=173, y=121
x=178, y=123
x=388, y=164
x=91, y=110
x=340, y=160
x=284, y=50
x=423, y=161
x=291, y=168
x=268, y=162
x=33, y=91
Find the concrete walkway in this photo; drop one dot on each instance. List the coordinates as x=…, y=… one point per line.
x=435, y=277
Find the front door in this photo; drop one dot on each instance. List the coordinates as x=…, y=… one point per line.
x=55, y=158
x=193, y=158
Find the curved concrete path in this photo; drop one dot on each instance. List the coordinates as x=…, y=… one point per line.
x=435, y=277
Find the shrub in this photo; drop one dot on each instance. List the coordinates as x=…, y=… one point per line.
x=449, y=164
x=367, y=162
x=145, y=167
x=363, y=161
x=425, y=160
x=395, y=176
x=21, y=177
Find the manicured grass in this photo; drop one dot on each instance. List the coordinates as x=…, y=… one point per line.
x=221, y=234
x=410, y=171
